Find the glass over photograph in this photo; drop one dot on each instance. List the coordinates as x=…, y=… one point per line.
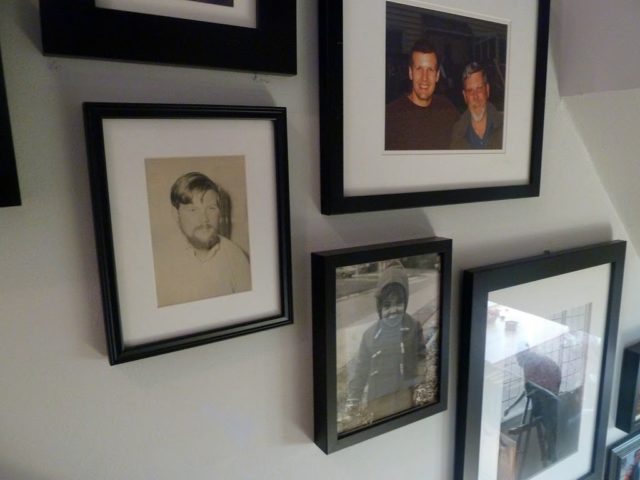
x=387, y=338
x=542, y=364
x=446, y=78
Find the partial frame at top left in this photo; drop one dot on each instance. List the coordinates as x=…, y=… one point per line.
x=9, y=188
x=94, y=29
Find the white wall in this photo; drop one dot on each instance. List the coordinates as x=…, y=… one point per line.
x=239, y=409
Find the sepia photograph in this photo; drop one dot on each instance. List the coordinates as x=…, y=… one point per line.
x=446, y=78
x=388, y=326
x=199, y=227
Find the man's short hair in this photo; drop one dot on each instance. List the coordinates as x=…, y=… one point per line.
x=190, y=184
x=422, y=45
x=470, y=69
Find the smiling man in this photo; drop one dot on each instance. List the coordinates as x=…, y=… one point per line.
x=208, y=264
x=481, y=125
x=421, y=119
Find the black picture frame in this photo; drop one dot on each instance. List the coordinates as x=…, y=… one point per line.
x=334, y=200
x=9, y=187
x=479, y=284
x=273, y=190
x=626, y=417
x=79, y=28
x=621, y=454
x=328, y=268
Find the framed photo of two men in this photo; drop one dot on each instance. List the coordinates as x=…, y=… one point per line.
x=430, y=102
x=191, y=217
x=380, y=338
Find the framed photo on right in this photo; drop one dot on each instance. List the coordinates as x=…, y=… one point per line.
x=537, y=338
x=628, y=415
x=624, y=459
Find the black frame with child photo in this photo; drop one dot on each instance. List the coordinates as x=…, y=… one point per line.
x=501, y=50
x=380, y=338
x=537, y=343
x=191, y=218
x=628, y=413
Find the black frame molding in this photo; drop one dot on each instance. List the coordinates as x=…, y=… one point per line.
x=94, y=114
x=628, y=394
x=9, y=187
x=333, y=198
x=79, y=28
x=477, y=284
x=324, y=265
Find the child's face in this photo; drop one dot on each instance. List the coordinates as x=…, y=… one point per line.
x=392, y=308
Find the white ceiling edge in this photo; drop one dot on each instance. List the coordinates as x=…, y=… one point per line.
x=596, y=45
x=607, y=123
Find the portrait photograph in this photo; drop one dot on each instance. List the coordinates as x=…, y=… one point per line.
x=388, y=326
x=199, y=227
x=445, y=80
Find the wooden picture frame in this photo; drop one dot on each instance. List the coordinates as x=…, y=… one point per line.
x=537, y=338
x=191, y=217
x=360, y=343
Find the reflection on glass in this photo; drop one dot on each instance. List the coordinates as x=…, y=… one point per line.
x=630, y=468
x=387, y=342
x=541, y=363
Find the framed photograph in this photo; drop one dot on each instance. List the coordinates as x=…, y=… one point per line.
x=380, y=338
x=9, y=189
x=624, y=459
x=537, y=343
x=254, y=35
x=191, y=217
x=628, y=416
x=443, y=103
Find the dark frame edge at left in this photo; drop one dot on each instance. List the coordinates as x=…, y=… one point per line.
x=324, y=266
x=9, y=186
x=94, y=114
